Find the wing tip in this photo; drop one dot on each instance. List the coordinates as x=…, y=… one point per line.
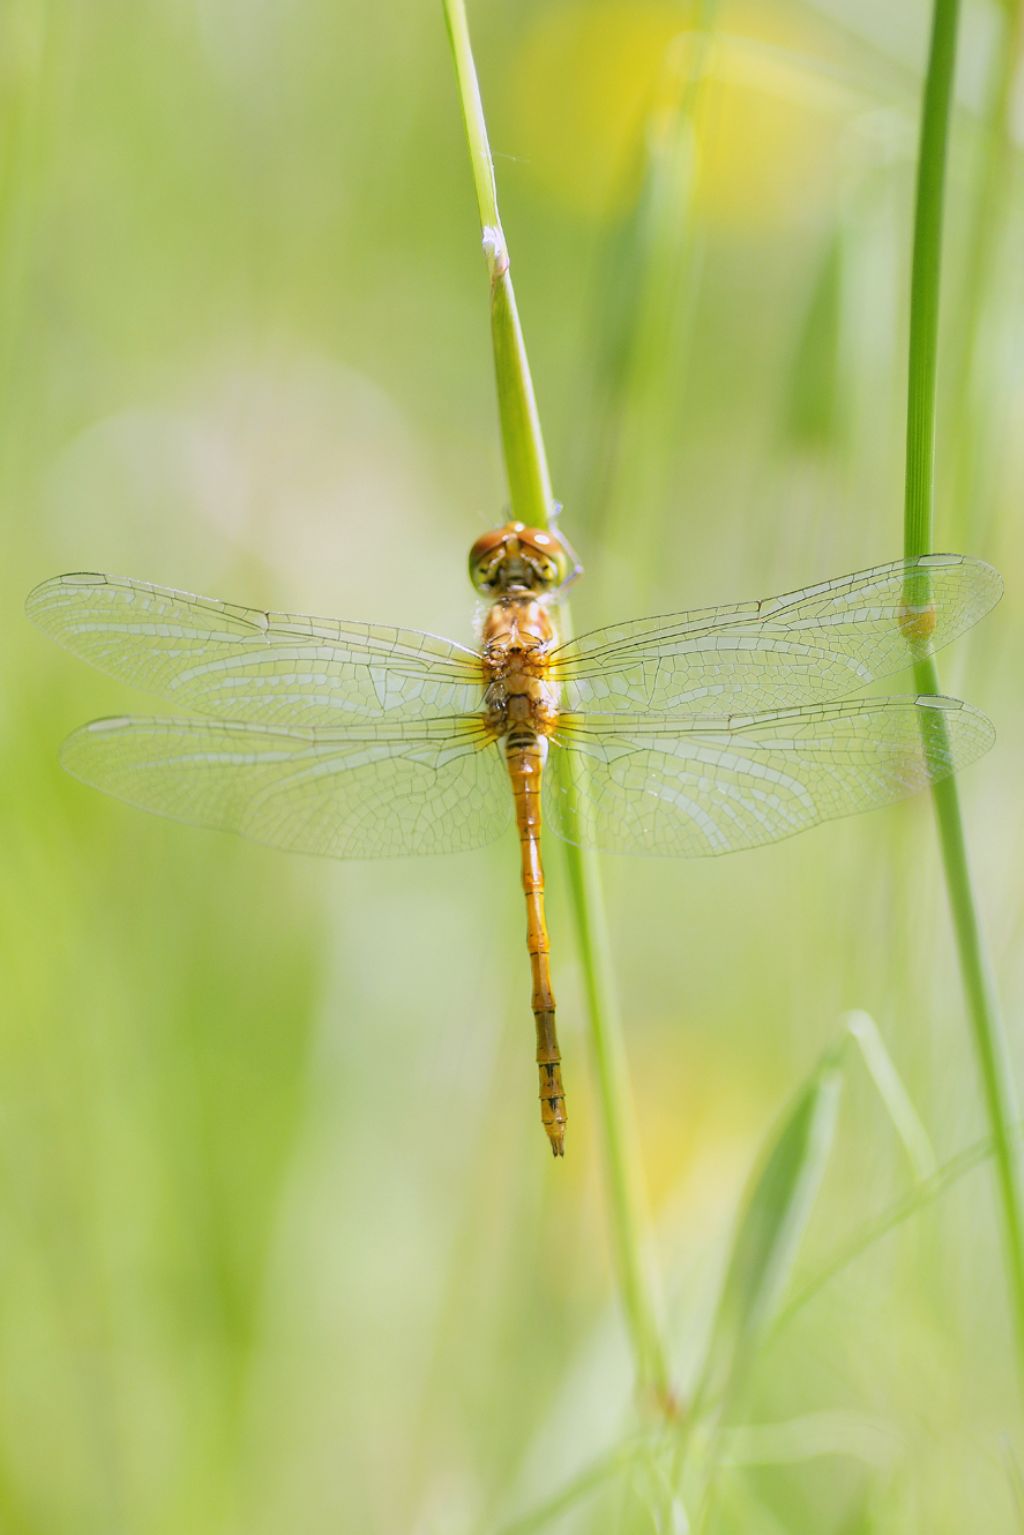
x=37, y=602
x=80, y=736
x=995, y=584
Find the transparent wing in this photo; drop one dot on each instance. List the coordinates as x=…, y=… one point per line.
x=369, y=792
x=244, y=664
x=819, y=643
x=694, y=788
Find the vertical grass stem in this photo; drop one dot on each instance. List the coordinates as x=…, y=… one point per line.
x=525, y=459
x=987, y=1031
x=533, y=502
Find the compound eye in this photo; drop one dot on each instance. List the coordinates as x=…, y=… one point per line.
x=485, y=559
x=552, y=568
x=547, y=559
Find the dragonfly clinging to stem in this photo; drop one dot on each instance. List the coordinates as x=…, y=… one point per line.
x=693, y=734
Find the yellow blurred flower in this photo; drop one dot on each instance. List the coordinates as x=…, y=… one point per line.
x=592, y=80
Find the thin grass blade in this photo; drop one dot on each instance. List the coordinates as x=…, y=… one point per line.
x=906, y=1121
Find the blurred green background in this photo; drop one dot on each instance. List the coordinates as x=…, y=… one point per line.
x=282, y=1247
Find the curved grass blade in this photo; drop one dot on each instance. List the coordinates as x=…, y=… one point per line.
x=772, y=1221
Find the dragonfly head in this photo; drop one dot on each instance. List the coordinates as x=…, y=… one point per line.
x=518, y=558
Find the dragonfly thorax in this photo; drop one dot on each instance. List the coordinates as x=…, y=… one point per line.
x=517, y=637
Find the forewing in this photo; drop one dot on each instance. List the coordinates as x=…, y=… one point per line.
x=243, y=664
x=819, y=643
x=368, y=792
x=698, y=788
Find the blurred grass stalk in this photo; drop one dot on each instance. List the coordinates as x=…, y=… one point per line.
x=532, y=502
x=988, y=1033
x=643, y=317
x=971, y=408
x=773, y=1217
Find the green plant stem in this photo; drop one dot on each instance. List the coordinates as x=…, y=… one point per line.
x=925, y=280
x=625, y=1200
x=529, y=481
x=988, y=1035
x=532, y=503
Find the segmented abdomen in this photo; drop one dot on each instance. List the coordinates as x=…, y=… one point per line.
x=526, y=753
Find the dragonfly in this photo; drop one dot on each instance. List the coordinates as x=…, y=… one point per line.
x=693, y=734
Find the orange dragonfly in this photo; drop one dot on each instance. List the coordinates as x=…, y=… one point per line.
x=692, y=734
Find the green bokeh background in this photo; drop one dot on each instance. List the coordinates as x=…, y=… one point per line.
x=281, y=1246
